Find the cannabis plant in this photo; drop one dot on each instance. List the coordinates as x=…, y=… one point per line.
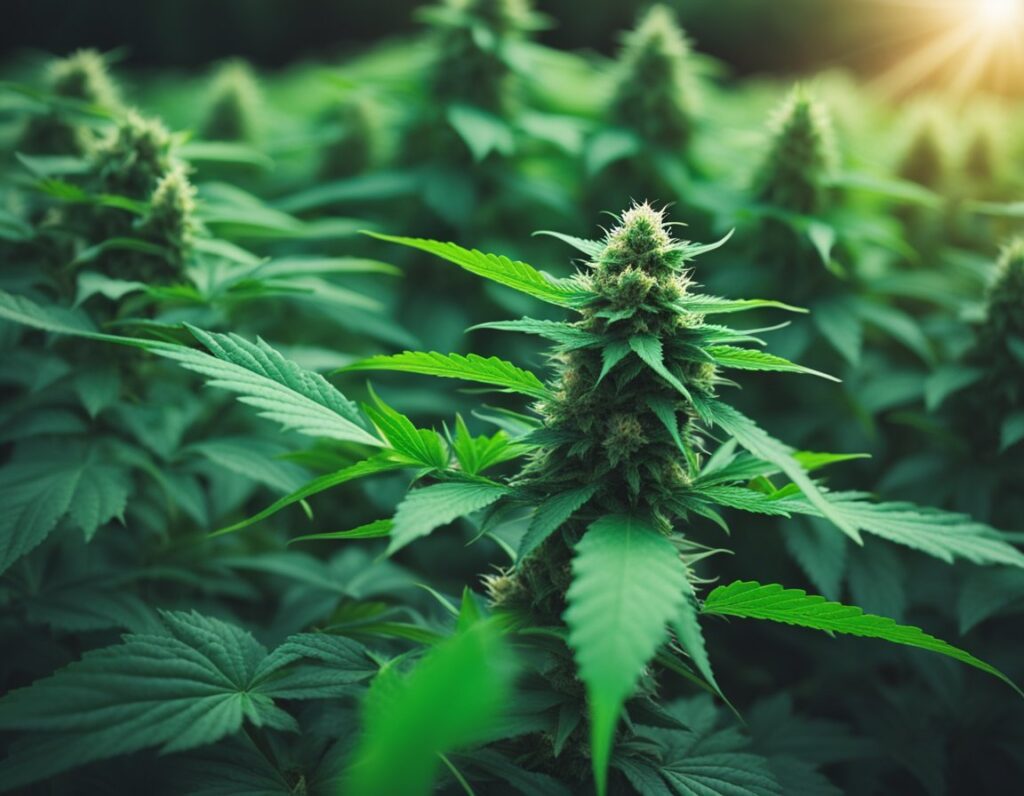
x=607, y=585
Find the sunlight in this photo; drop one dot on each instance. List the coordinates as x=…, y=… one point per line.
x=1000, y=12
x=970, y=45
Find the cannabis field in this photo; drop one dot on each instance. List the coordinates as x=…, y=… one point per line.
x=462, y=411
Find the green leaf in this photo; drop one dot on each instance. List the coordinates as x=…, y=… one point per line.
x=948, y=380
x=1012, y=431
x=728, y=356
x=187, y=686
x=327, y=666
x=45, y=485
x=687, y=626
x=498, y=268
x=648, y=348
x=486, y=370
x=713, y=305
x=450, y=699
x=419, y=446
x=943, y=534
x=371, y=466
x=283, y=392
x=430, y=507
x=772, y=602
x=371, y=530
x=565, y=334
x=551, y=515
x=752, y=437
x=476, y=454
x=483, y=132
x=628, y=582
x=49, y=319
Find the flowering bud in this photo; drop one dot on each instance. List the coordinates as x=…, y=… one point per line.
x=801, y=156
x=473, y=35
x=171, y=218
x=132, y=157
x=352, y=151
x=233, y=107
x=81, y=76
x=655, y=91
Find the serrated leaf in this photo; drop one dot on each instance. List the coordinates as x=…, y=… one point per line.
x=565, y=334
x=430, y=507
x=185, y=687
x=772, y=602
x=728, y=356
x=42, y=487
x=282, y=391
x=471, y=367
x=550, y=515
x=420, y=446
x=50, y=319
x=945, y=535
x=752, y=437
x=649, y=349
x=628, y=583
x=498, y=268
x=476, y=454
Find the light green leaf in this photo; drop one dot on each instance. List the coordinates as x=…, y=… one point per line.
x=419, y=446
x=372, y=530
x=486, y=370
x=476, y=454
x=49, y=319
x=728, y=356
x=714, y=305
x=686, y=623
x=772, y=602
x=1012, y=431
x=498, y=268
x=283, y=392
x=371, y=466
x=430, y=507
x=565, y=334
x=483, y=132
x=752, y=437
x=628, y=583
x=450, y=699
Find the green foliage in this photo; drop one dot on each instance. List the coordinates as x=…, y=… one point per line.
x=627, y=584
x=655, y=90
x=288, y=588
x=750, y=600
x=190, y=684
x=446, y=702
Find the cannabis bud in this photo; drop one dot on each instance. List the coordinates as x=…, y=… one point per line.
x=82, y=76
x=655, y=91
x=170, y=221
x=473, y=64
x=352, y=150
x=999, y=339
x=232, y=110
x=800, y=158
x=607, y=420
x=924, y=160
x=133, y=157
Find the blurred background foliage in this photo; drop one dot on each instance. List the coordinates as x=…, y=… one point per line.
x=881, y=193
